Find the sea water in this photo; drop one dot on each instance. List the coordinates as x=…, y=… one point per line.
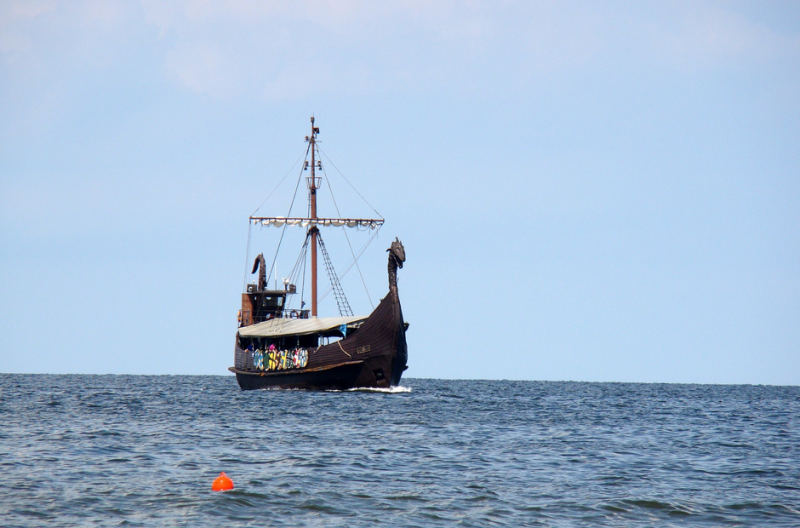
x=143, y=451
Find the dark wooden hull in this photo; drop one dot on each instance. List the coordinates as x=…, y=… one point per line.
x=373, y=357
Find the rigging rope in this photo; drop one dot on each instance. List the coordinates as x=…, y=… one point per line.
x=281, y=182
x=283, y=231
x=352, y=262
x=347, y=237
x=338, y=292
x=299, y=267
x=247, y=255
x=336, y=287
x=303, y=288
x=348, y=182
x=300, y=258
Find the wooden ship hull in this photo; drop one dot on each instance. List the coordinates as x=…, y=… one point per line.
x=374, y=356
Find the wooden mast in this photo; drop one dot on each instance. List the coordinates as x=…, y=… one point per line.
x=313, y=185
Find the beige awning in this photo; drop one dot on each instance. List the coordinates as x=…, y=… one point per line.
x=283, y=327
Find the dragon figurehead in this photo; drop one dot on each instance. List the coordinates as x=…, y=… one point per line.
x=397, y=255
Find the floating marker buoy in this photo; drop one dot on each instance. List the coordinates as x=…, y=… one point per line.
x=222, y=483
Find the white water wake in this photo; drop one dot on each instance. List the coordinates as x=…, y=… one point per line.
x=390, y=390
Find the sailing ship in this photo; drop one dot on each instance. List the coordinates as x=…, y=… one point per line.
x=283, y=348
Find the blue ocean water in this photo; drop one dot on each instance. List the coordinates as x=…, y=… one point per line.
x=81, y=450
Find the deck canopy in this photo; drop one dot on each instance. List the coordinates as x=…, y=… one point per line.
x=280, y=327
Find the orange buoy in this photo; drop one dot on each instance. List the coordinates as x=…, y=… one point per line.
x=222, y=483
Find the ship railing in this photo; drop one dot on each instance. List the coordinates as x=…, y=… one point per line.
x=295, y=314
x=248, y=317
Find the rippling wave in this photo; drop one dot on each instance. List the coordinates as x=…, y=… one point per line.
x=143, y=451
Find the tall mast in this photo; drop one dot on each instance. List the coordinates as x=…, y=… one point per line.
x=313, y=185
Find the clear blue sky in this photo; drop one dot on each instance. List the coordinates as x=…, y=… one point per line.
x=599, y=191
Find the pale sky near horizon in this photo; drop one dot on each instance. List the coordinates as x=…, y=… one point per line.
x=594, y=191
